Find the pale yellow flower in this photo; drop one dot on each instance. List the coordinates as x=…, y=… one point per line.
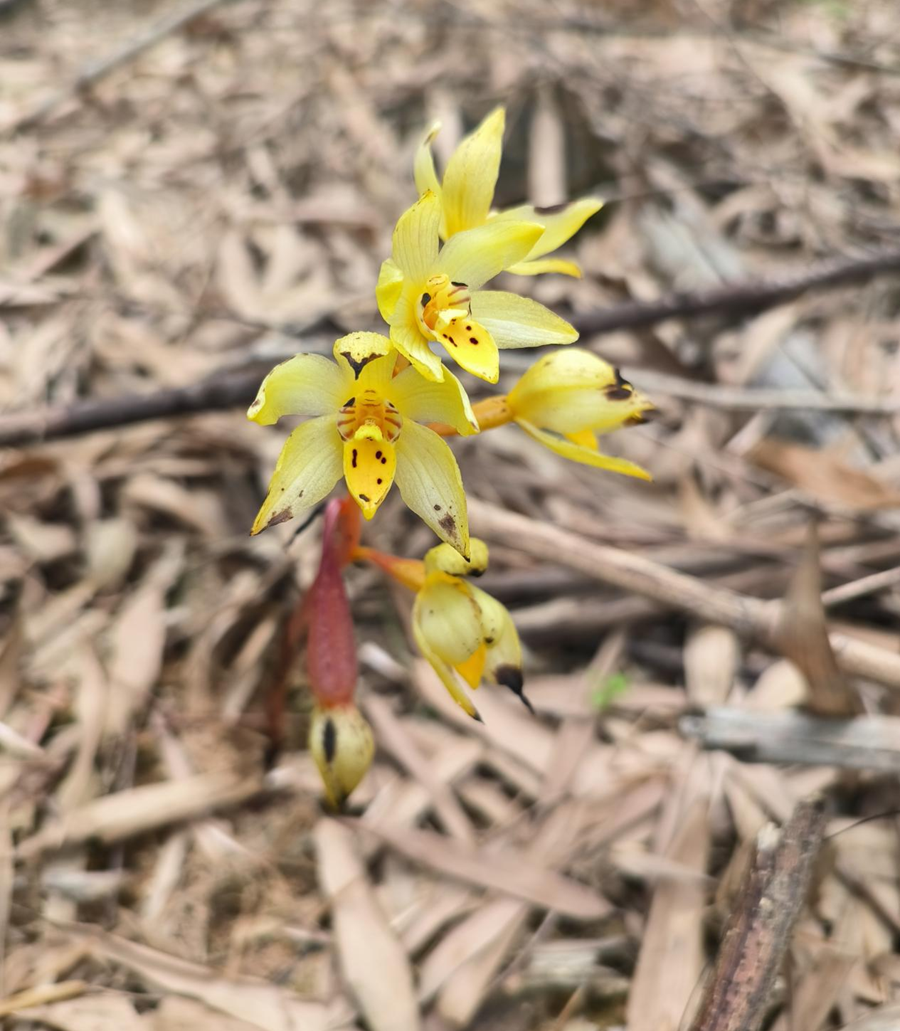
x=428, y=293
x=463, y=631
x=467, y=192
x=366, y=424
x=568, y=397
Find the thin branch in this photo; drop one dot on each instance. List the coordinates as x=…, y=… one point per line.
x=759, y=929
x=238, y=388
x=861, y=743
x=752, y=618
x=97, y=70
x=742, y=297
x=741, y=399
x=214, y=394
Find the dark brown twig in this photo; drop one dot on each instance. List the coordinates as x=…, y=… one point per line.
x=759, y=929
x=739, y=298
x=239, y=387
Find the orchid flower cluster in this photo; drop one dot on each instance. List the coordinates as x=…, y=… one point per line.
x=379, y=413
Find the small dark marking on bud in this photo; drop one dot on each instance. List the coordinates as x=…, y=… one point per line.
x=473, y=340
x=437, y=508
x=354, y=458
x=511, y=677
x=447, y=523
x=380, y=481
x=364, y=497
x=279, y=517
x=329, y=740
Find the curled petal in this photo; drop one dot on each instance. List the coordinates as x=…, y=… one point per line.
x=369, y=465
x=471, y=175
x=472, y=670
x=307, y=469
x=448, y=560
x=477, y=255
x=409, y=341
x=503, y=661
x=388, y=288
x=430, y=484
x=445, y=672
x=416, y=240
x=515, y=321
x=307, y=384
x=585, y=455
x=424, y=400
x=560, y=223
x=423, y=167
x=449, y=618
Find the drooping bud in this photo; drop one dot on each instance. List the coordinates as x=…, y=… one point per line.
x=342, y=746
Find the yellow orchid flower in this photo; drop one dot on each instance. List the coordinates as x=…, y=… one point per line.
x=467, y=192
x=426, y=293
x=566, y=398
x=365, y=424
x=460, y=629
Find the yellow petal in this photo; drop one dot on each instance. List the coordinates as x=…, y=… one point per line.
x=342, y=746
x=416, y=240
x=423, y=168
x=573, y=390
x=515, y=321
x=430, y=484
x=449, y=618
x=424, y=400
x=477, y=255
x=407, y=337
x=560, y=222
x=445, y=559
x=307, y=469
x=503, y=660
x=471, y=175
x=584, y=455
x=471, y=346
x=473, y=668
x=369, y=465
x=542, y=265
x=355, y=351
x=307, y=384
x=388, y=288
x=584, y=438
x=446, y=674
